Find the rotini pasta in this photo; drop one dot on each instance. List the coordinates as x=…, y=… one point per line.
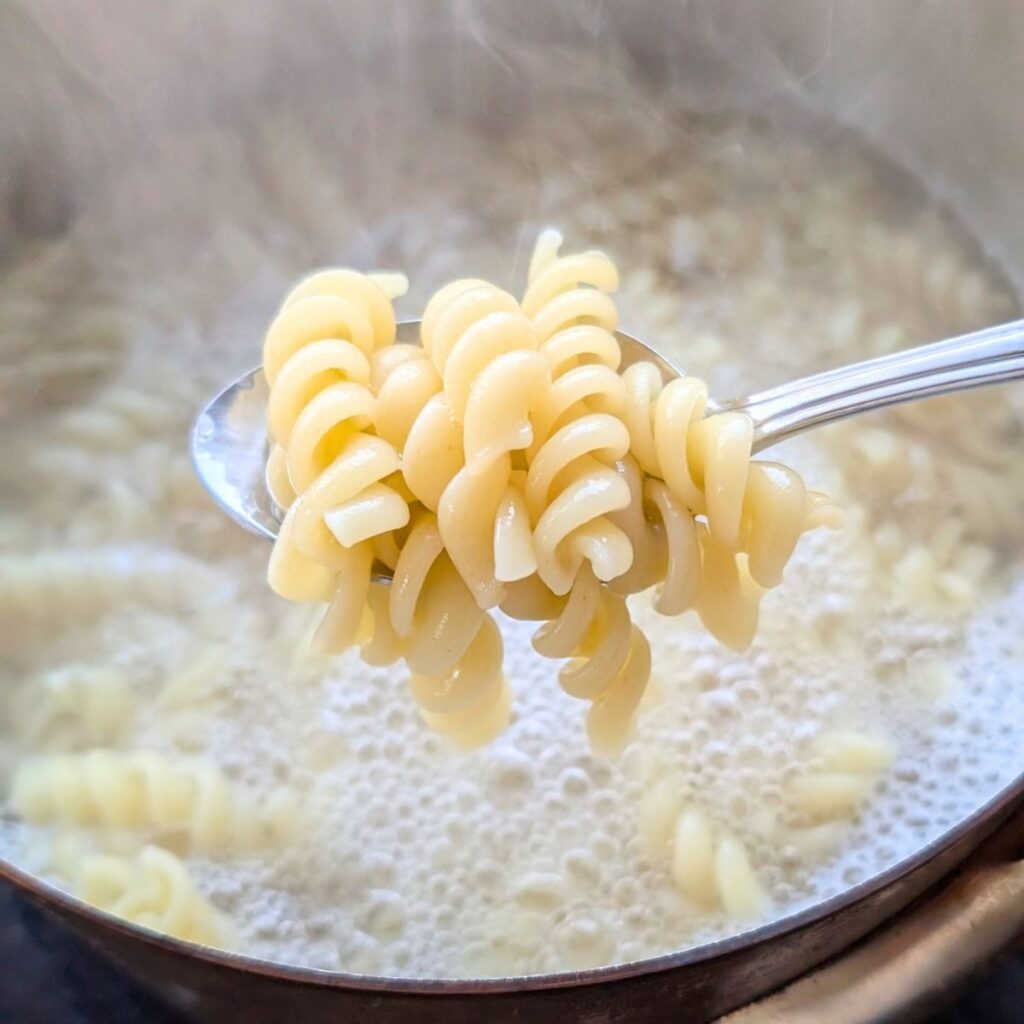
x=753, y=513
x=485, y=351
x=509, y=463
x=710, y=866
x=76, y=705
x=77, y=582
x=572, y=484
x=847, y=764
x=155, y=890
x=191, y=799
x=451, y=645
x=326, y=468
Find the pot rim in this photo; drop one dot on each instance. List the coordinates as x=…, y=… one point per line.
x=1000, y=805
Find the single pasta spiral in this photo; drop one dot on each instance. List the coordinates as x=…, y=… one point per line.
x=572, y=484
x=610, y=658
x=845, y=768
x=752, y=513
x=326, y=466
x=452, y=646
x=709, y=865
x=155, y=890
x=141, y=790
x=485, y=351
x=663, y=536
x=36, y=587
x=74, y=705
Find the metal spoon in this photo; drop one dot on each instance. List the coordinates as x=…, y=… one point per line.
x=229, y=440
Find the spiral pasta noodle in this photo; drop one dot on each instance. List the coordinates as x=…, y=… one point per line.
x=155, y=890
x=76, y=704
x=572, y=484
x=140, y=790
x=709, y=865
x=610, y=658
x=752, y=513
x=485, y=351
x=847, y=767
x=510, y=462
x=453, y=647
x=326, y=467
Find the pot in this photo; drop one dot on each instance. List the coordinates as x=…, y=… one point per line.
x=936, y=86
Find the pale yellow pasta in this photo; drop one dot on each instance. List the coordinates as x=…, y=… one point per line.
x=847, y=765
x=610, y=659
x=485, y=351
x=73, y=706
x=752, y=513
x=403, y=379
x=155, y=890
x=507, y=462
x=709, y=865
x=326, y=467
x=664, y=539
x=572, y=484
x=190, y=799
x=453, y=647
x=36, y=587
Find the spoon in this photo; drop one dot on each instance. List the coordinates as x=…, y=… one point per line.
x=229, y=439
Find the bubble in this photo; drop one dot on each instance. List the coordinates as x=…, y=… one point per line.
x=510, y=775
x=584, y=942
x=580, y=864
x=384, y=915
x=573, y=783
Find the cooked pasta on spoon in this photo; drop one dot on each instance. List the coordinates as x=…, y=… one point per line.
x=510, y=463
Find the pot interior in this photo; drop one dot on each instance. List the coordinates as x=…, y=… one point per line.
x=782, y=192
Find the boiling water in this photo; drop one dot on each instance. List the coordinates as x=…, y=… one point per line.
x=747, y=257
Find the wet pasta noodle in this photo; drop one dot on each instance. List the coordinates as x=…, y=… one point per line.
x=152, y=889
x=326, y=468
x=510, y=463
x=189, y=800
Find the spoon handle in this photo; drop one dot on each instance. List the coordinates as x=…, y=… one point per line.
x=988, y=356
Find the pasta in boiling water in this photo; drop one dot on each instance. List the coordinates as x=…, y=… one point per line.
x=153, y=889
x=847, y=766
x=144, y=791
x=510, y=462
x=75, y=705
x=117, y=573
x=709, y=866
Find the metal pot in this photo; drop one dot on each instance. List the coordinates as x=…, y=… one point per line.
x=936, y=85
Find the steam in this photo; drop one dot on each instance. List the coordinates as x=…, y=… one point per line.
x=397, y=94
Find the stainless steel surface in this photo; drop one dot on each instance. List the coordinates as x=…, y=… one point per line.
x=992, y=355
x=915, y=963
x=229, y=437
x=229, y=452
x=935, y=85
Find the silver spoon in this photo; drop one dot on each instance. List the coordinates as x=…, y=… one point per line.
x=229, y=440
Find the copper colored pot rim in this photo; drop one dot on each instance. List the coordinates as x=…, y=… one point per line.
x=1008, y=800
